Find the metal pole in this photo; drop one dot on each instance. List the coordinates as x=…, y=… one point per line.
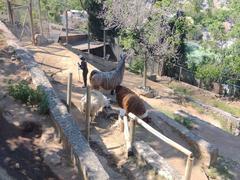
x=40, y=17
x=66, y=17
x=188, y=169
x=31, y=21
x=132, y=126
x=69, y=91
x=104, y=44
x=88, y=113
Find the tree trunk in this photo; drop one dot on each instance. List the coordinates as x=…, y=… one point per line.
x=161, y=68
x=145, y=73
x=40, y=17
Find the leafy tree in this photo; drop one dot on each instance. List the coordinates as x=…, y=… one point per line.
x=149, y=31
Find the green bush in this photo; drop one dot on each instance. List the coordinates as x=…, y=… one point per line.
x=137, y=66
x=184, y=121
x=208, y=73
x=27, y=95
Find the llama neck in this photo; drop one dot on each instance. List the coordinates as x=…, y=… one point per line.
x=120, y=67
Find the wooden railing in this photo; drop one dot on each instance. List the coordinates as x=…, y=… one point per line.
x=129, y=134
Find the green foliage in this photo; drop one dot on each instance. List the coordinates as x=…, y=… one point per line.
x=55, y=8
x=26, y=94
x=221, y=169
x=137, y=65
x=208, y=73
x=128, y=39
x=184, y=121
x=2, y=6
x=178, y=89
x=198, y=56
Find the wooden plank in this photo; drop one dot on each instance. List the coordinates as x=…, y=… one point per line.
x=160, y=136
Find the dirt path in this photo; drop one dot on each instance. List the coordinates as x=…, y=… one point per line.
x=53, y=63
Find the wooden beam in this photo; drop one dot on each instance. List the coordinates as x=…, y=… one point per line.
x=160, y=136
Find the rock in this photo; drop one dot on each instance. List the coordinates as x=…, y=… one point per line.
x=10, y=50
x=147, y=92
x=2, y=59
x=40, y=40
x=152, y=77
x=13, y=58
x=53, y=158
x=48, y=135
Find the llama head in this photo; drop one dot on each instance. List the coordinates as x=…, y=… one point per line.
x=123, y=56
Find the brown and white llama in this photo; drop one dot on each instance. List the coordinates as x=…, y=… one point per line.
x=131, y=102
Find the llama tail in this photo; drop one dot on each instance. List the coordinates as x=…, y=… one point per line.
x=92, y=73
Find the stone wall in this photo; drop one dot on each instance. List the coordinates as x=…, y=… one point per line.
x=74, y=142
x=146, y=156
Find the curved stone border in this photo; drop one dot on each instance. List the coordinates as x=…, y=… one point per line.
x=232, y=121
x=147, y=156
x=202, y=148
x=88, y=164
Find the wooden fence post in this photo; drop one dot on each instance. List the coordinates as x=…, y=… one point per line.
x=40, y=17
x=31, y=21
x=132, y=126
x=145, y=72
x=188, y=170
x=88, y=39
x=69, y=91
x=10, y=12
x=104, y=44
x=88, y=108
x=66, y=25
x=180, y=74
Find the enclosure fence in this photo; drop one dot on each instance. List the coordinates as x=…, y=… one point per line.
x=129, y=134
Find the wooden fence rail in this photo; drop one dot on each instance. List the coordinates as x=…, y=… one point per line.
x=134, y=119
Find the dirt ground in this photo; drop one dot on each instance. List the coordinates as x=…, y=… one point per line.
x=28, y=147
x=57, y=62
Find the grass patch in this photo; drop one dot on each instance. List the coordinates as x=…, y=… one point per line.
x=221, y=170
x=184, y=121
x=187, y=91
x=29, y=96
x=225, y=107
x=178, y=89
x=220, y=119
x=167, y=112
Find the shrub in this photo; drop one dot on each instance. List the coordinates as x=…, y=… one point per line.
x=184, y=121
x=137, y=66
x=27, y=95
x=208, y=73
